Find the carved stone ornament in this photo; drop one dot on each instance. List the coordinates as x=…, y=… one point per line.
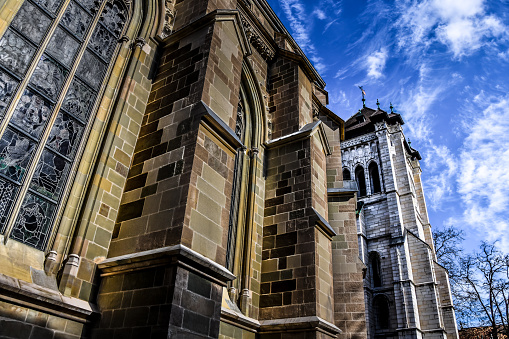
x=254, y=37
x=169, y=18
x=139, y=42
x=123, y=38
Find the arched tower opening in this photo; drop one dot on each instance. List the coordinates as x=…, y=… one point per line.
x=361, y=180
x=374, y=178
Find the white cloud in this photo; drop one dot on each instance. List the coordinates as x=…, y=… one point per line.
x=462, y=26
x=451, y=9
x=483, y=175
x=376, y=63
x=320, y=14
x=464, y=36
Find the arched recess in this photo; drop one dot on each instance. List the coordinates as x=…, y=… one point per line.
x=375, y=269
x=361, y=180
x=374, y=178
x=241, y=238
x=382, y=312
x=346, y=174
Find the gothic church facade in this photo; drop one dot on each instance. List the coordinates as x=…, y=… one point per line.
x=169, y=169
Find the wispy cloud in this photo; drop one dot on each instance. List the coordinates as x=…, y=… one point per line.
x=376, y=63
x=441, y=166
x=300, y=25
x=483, y=176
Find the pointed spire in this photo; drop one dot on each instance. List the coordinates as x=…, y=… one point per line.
x=391, y=107
x=409, y=143
x=377, y=104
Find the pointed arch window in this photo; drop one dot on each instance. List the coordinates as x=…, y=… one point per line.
x=374, y=178
x=361, y=180
x=376, y=271
x=54, y=58
x=346, y=174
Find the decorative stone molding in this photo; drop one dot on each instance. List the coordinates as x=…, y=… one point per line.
x=50, y=263
x=123, y=38
x=360, y=154
x=169, y=18
x=358, y=140
x=255, y=38
x=139, y=42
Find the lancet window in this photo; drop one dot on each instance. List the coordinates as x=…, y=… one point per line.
x=361, y=180
x=54, y=58
x=374, y=178
x=376, y=272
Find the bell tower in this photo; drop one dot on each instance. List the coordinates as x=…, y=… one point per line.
x=407, y=293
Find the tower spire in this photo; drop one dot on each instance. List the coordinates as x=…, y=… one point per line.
x=391, y=107
x=377, y=104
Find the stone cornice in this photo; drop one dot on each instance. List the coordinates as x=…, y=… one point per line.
x=44, y=299
x=176, y=254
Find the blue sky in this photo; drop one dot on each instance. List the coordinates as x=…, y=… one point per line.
x=444, y=64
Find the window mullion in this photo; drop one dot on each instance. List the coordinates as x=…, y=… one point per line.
x=42, y=142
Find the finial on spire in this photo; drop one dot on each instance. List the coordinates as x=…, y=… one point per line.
x=391, y=107
x=377, y=104
x=409, y=143
x=363, y=94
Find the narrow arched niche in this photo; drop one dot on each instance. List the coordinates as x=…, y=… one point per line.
x=374, y=178
x=361, y=180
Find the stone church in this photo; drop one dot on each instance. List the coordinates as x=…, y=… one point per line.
x=169, y=169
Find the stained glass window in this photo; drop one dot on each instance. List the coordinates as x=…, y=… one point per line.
x=40, y=143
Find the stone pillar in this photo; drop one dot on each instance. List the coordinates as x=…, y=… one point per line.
x=296, y=288
x=165, y=269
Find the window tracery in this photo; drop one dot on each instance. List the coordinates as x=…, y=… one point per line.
x=41, y=132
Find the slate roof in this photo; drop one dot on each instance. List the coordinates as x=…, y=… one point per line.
x=364, y=121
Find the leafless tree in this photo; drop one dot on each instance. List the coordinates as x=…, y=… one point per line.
x=484, y=282
x=448, y=249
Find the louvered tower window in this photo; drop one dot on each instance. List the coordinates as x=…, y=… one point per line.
x=54, y=58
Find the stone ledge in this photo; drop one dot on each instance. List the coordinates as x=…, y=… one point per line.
x=44, y=299
x=217, y=124
x=177, y=254
x=300, y=323
x=239, y=320
x=323, y=225
x=305, y=132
